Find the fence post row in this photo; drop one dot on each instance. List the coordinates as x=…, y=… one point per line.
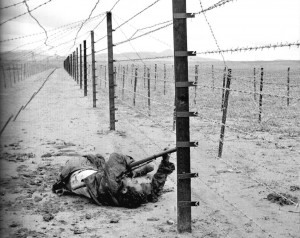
x=4, y=78
x=77, y=65
x=80, y=66
x=260, y=93
x=288, y=87
x=224, y=116
x=71, y=65
x=183, y=143
x=111, y=72
x=84, y=69
x=93, y=69
x=74, y=66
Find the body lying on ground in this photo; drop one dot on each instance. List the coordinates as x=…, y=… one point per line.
x=94, y=178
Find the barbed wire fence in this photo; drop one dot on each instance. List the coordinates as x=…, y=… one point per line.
x=254, y=105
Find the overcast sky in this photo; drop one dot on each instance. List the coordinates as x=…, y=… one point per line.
x=236, y=24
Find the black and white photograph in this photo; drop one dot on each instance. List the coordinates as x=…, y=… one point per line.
x=150, y=118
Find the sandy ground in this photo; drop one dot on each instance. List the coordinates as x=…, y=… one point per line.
x=60, y=123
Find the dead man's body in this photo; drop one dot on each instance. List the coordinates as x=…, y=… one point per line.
x=94, y=178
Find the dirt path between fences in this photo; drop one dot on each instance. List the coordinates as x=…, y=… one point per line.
x=60, y=123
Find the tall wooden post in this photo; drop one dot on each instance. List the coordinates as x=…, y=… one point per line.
x=135, y=84
x=260, y=93
x=4, y=78
x=93, y=69
x=14, y=72
x=111, y=72
x=288, y=87
x=149, y=101
x=80, y=66
x=223, y=87
x=224, y=116
x=183, y=143
x=84, y=69
x=18, y=73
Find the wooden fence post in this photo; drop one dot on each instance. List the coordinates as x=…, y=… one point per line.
x=132, y=69
x=183, y=142
x=84, y=69
x=288, y=87
x=123, y=83
x=14, y=73
x=149, y=101
x=93, y=69
x=254, y=83
x=223, y=88
x=224, y=116
x=100, y=71
x=135, y=84
x=18, y=72
x=111, y=72
x=3, y=73
x=260, y=93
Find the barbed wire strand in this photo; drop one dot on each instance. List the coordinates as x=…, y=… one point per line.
x=29, y=12
x=26, y=12
x=212, y=33
x=218, y=4
x=13, y=5
x=95, y=6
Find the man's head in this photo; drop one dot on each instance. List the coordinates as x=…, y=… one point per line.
x=131, y=194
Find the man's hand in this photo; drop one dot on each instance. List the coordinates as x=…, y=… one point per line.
x=166, y=157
